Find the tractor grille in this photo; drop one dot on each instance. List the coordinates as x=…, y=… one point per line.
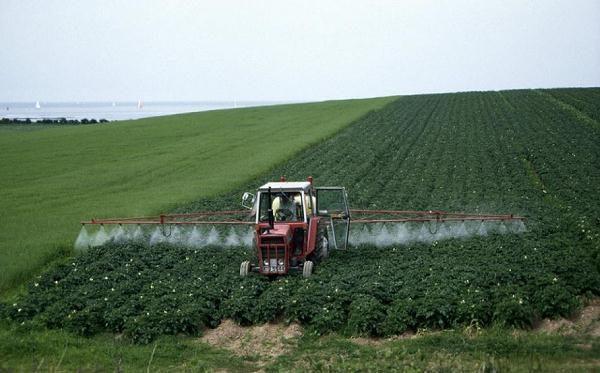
x=273, y=253
x=273, y=260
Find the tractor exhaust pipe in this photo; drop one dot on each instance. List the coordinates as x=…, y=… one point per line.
x=270, y=210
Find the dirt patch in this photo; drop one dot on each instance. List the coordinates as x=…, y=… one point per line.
x=265, y=341
x=585, y=322
x=559, y=326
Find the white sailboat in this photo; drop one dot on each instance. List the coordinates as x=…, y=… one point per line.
x=37, y=105
x=140, y=104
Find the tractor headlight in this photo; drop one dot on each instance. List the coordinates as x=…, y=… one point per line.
x=280, y=262
x=266, y=262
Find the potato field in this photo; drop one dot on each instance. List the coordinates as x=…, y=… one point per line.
x=534, y=153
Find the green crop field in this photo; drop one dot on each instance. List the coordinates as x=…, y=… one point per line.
x=531, y=152
x=53, y=178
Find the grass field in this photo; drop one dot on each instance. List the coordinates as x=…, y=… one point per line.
x=531, y=152
x=53, y=178
x=450, y=351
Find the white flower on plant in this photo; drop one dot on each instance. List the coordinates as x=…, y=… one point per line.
x=520, y=301
x=105, y=277
x=91, y=279
x=55, y=282
x=554, y=279
x=36, y=284
x=19, y=310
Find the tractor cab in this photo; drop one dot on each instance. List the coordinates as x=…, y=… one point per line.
x=288, y=201
x=296, y=224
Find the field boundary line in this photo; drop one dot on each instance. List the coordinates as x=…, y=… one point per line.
x=570, y=108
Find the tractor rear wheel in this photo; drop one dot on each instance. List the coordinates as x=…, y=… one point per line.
x=244, y=268
x=307, y=268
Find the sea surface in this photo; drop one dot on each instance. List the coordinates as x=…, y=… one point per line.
x=113, y=110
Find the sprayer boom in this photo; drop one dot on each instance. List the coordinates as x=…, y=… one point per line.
x=292, y=225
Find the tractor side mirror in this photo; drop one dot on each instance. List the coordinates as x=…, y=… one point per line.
x=248, y=200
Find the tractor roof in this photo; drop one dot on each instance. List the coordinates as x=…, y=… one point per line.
x=286, y=185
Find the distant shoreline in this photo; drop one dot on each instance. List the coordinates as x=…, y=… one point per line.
x=50, y=121
x=112, y=111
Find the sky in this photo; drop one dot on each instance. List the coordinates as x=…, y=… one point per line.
x=291, y=50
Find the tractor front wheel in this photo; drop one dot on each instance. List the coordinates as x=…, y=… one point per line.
x=244, y=268
x=307, y=268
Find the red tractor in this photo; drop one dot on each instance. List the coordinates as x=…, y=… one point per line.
x=296, y=224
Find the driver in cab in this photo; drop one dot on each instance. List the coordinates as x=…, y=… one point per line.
x=286, y=207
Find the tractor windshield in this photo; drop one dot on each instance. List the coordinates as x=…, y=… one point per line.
x=287, y=206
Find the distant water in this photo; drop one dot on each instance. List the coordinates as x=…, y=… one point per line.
x=112, y=111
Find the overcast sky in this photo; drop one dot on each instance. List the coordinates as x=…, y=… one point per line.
x=284, y=50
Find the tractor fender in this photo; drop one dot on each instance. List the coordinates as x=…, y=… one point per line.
x=313, y=232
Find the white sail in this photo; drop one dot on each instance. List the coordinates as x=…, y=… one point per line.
x=140, y=104
x=37, y=105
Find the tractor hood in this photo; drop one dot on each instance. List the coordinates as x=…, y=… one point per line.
x=280, y=229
